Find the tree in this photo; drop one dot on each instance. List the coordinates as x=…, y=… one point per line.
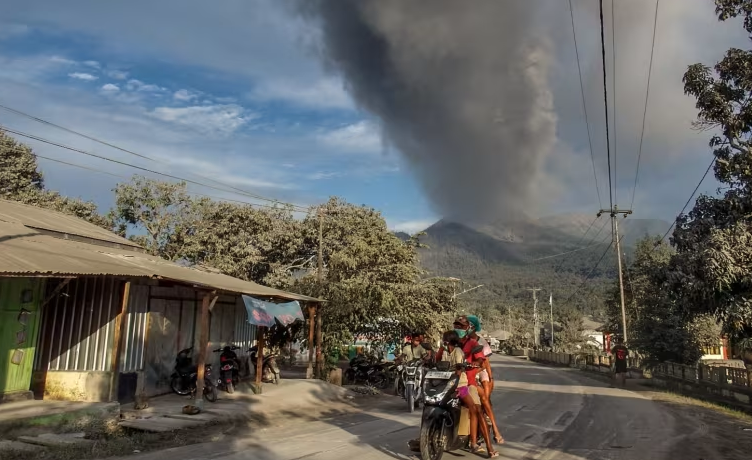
x=571, y=337
x=710, y=271
x=370, y=279
x=21, y=180
x=163, y=210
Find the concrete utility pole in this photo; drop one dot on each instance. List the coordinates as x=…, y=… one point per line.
x=320, y=276
x=536, y=330
x=551, y=304
x=616, y=240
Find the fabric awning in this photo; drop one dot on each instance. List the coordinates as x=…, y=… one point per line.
x=263, y=313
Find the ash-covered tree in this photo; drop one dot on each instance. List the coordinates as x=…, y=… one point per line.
x=711, y=271
x=21, y=180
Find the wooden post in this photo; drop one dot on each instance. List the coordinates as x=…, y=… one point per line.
x=260, y=356
x=203, y=333
x=319, y=355
x=311, y=328
x=117, y=342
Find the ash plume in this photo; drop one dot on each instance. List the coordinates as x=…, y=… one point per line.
x=460, y=89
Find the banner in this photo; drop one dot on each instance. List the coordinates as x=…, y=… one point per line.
x=263, y=313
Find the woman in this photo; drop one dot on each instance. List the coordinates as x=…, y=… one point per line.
x=485, y=376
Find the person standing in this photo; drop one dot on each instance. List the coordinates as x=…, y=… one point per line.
x=620, y=353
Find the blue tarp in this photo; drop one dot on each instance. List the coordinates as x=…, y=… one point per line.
x=263, y=313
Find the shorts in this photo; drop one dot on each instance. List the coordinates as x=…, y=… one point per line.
x=472, y=391
x=484, y=376
x=620, y=367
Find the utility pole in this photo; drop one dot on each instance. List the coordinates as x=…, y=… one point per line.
x=551, y=304
x=616, y=240
x=536, y=331
x=320, y=277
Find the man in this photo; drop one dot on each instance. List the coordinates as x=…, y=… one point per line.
x=620, y=353
x=414, y=349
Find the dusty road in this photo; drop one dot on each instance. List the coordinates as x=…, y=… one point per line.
x=546, y=414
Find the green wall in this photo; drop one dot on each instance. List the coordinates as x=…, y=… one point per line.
x=19, y=303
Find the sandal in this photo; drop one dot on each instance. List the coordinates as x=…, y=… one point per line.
x=499, y=439
x=493, y=454
x=477, y=449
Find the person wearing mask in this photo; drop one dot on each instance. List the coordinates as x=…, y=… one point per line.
x=463, y=328
x=485, y=376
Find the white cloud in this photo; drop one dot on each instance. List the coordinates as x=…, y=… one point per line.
x=184, y=95
x=413, y=226
x=13, y=30
x=221, y=119
x=362, y=136
x=324, y=175
x=117, y=74
x=93, y=64
x=324, y=94
x=110, y=88
x=83, y=76
x=138, y=85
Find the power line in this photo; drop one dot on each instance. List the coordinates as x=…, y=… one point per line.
x=73, y=149
x=584, y=106
x=647, y=95
x=101, y=171
x=690, y=198
x=613, y=87
x=108, y=144
x=591, y=273
x=570, y=252
x=605, y=104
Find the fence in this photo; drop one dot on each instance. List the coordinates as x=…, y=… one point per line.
x=728, y=383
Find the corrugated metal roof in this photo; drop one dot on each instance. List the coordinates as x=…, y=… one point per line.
x=45, y=219
x=26, y=251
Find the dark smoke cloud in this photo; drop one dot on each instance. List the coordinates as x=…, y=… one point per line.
x=460, y=88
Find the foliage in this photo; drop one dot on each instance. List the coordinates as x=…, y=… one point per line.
x=571, y=337
x=21, y=180
x=710, y=270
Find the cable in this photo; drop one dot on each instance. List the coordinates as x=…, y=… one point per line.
x=40, y=139
x=49, y=123
x=101, y=171
x=569, y=252
x=689, y=199
x=605, y=104
x=613, y=87
x=591, y=273
x=584, y=106
x=647, y=95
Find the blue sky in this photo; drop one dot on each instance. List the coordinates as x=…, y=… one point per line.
x=233, y=91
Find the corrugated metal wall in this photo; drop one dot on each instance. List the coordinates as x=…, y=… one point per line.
x=78, y=325
x=134, y=333
x=245, y=332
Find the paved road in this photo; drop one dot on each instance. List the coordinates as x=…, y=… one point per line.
x=546, y=414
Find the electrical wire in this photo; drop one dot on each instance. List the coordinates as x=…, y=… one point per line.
x=689, y=199
x=570, y=252
x=101, y=157
x=108, y=144
x=590, y=273
x=605, y=105
x=647, y=96
x=584, y=106
x=613, y=88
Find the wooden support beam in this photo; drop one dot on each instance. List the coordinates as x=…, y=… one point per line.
x=260, y=356
x=117, y=342
x=203, y=333
x=311, y=329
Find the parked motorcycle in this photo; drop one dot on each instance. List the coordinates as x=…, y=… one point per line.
x=412, y=378
x=362, y=370
x=269, y=368
x=183, y=380
x=229, y=366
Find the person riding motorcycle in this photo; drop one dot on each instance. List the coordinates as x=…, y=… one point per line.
x=485, y=376
x=414, y=350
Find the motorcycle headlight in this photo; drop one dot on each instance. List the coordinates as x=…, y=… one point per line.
x=434, y=393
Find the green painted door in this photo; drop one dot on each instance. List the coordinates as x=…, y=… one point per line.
x=19, y=327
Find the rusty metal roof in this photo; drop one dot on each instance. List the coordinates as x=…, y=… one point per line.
x=27, y=251
x=53, y=221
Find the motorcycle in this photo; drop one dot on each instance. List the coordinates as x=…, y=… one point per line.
x=269, y=369
x=183, y=380
x=229, y=368
x=445, y=424
x=412, y=378
x=362, y=370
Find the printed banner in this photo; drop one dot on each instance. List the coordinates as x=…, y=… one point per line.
x=263, y=313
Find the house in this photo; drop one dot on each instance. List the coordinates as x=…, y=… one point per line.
x=87, y=315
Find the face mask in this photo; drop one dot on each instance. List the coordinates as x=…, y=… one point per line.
x=461, y=332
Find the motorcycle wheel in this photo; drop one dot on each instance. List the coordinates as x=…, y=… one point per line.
x=177, y=386
x=230, y=388
x=431, y=447
x=411, y=400
x=349, y=377
x=210, y=393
